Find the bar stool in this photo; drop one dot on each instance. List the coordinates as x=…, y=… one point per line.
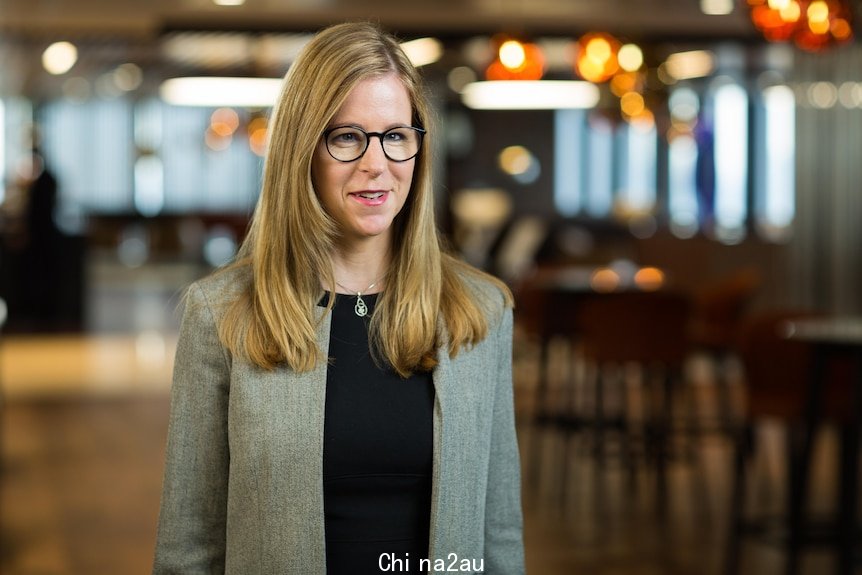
x=776, y=379
x=647, y=329
x=717, y=311
x=547, y=316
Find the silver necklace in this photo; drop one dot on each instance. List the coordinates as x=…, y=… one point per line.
x=360, y=308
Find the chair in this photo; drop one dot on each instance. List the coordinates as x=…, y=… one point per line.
x=647, y=329
x=777, y=371
x=547, y=315
x=717, y=311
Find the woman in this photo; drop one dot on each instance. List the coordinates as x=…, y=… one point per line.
x=342, y=398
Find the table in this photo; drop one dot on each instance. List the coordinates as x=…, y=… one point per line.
x=831, y=338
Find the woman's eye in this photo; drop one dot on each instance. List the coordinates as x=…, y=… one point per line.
x=394, y=136
x=345, y=138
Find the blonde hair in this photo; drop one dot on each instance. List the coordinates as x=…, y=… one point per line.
x=291, y=237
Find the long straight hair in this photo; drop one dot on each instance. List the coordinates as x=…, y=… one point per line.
x=291, y=238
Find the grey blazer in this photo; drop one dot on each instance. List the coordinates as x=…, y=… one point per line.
x=243, y=485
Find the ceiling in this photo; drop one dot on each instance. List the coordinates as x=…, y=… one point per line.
x=642, y=18
x=148, y=33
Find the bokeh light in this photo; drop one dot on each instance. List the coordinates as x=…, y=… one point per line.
x=257, y=135
x=812, y=24
x=623, y=82
x=630, y=57
x=128, y=77
x=597, y=57
x=632, y=104
x=604, y=280
x=59, y=57
x=516, y=61
x=215, y=141
x=459, y=77
x=224, y=122
x=520, y=163
x=649, y=278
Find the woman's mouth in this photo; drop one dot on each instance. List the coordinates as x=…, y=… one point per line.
x=370, y=198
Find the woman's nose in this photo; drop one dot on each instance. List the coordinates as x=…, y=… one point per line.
x=373, y=160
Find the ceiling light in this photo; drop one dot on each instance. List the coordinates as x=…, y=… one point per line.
x=630, y=57
x=716, y=7
x=516, y=61
x=530, y=95
x=597, y=57
x=512, y=54
x=59, y=57
x=217, y=92
x=228, y=2
x=687, y=65
x=423, y=51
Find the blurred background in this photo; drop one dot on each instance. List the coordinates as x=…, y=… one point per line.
x=670, y=187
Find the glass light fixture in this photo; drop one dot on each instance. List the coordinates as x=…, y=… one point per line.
x=221, y=92
x=530, y=95
x=812, y=24
x=59, y=57
x=597, y=57
x=516, y=60
x=423, y=51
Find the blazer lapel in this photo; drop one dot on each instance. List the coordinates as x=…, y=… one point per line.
x=442, y=379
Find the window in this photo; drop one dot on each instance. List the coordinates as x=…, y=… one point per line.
x=775, y=202
x=730, y=129
x=568, y=161
x=638, y=152
x=89, y=146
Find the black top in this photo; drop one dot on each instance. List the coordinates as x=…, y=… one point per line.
x=377, y=453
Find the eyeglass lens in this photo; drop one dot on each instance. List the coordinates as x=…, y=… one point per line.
x=349, y=143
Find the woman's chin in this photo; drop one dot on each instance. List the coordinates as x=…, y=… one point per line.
x=370, y=230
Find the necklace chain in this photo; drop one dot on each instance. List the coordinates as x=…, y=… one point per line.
x=360, y=309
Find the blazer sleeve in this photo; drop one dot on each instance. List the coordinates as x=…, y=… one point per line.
x=504, y=548
x=192, y=519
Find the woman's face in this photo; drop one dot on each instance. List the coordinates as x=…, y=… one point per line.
x=365, y=195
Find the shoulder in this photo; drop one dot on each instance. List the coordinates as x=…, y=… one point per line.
x=489, y=293
x=220, y=289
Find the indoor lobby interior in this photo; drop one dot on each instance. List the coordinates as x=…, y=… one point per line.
x=681, y=236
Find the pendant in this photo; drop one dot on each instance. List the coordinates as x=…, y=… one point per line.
x=360, y=308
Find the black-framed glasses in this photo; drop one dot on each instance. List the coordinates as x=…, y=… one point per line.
x=349, y=143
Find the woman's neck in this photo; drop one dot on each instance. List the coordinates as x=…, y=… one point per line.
x=356, y=269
